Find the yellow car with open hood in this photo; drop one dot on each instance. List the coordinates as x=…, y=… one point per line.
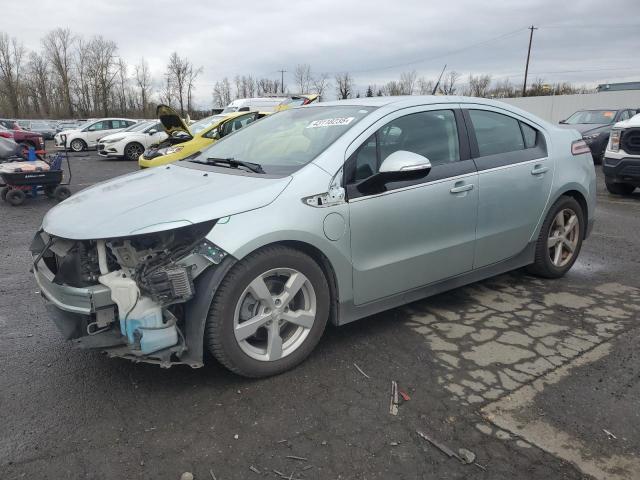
x=185, y=141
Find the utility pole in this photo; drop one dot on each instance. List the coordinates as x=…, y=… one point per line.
x=282, y=72
x=526, y=69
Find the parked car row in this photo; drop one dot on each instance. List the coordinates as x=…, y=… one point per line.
x=24, y=138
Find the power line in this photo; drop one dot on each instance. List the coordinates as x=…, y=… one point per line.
x=441, y=55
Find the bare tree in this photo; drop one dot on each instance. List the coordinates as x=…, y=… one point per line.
x=266, y=86
x=321, y=84
x=479, y=85
x=143, y=81
x=344, y=85
x=57, y=46
x=11, y=62
x=192, y=75
x=425, y=87
x=123, y=84
x=177, y=73
x=40, y=81
x=408, y=82
x=102, y=69
x=392, y=88
x=448, y=83
x=303, y=79
x=222, y=93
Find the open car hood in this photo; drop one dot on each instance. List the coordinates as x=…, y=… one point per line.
x=171, y=121
x=159, y=199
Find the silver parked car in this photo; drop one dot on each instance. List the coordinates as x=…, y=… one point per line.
x=330, y=212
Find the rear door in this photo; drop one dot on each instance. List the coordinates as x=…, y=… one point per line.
x=514, y=176
x=96, y=131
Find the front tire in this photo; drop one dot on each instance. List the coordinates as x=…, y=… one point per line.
x=268, y=313
x=133, y=151
x=77, y=145
x=619, y=188
x=560, y=239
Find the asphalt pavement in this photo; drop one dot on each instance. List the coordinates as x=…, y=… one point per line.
x=491, y=368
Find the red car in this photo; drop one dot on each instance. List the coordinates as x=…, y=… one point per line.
x=25, y=138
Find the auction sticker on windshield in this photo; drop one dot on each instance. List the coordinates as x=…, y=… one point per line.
x=330, y=122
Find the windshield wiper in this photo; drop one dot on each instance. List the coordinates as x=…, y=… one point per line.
x=233, y=163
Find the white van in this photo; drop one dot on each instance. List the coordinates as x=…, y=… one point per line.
x=263, y=104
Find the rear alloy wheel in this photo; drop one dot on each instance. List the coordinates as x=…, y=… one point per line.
x=619, y=188
x=77, y=145
x=133, y=151
x=268, y=313
x=15, y=197
x=560, y=239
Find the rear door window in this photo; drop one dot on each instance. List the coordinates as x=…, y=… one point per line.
x=496, y=133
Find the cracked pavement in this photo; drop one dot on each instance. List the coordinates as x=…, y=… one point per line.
x=488, y=367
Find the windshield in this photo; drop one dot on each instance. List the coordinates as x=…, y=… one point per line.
x=284, y=142
x=205, y=123
x=592, y=116
x=137, y=127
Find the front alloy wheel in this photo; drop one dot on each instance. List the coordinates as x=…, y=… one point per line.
x=133, y=151
x=275, y=314
x=268, y=313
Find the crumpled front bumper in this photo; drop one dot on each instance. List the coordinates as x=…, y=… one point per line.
x=73, y=309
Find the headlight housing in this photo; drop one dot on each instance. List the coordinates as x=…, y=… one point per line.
x=614, y=140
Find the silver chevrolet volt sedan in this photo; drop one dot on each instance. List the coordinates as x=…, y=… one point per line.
x=329, y=212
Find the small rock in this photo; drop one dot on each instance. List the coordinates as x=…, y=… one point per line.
x=467, y=456
x=186, y=476
x=236, y=436
x=394, y=444
x=324, y=442
x=142, y=463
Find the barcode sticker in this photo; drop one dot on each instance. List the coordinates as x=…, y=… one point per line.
x=330, y=122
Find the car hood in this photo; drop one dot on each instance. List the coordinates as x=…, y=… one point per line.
x=171, y=121
x=67, y=132
x=587, y=127
x=159, y=199
x=632, y=122
x=118, y=135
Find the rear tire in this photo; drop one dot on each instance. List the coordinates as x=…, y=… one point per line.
x=560, y=239
x=619, y=188
x=15, y=197
x=293, y=287
x=61, y=193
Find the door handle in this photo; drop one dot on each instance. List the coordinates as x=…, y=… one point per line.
x=462, y=188
x=539, y=170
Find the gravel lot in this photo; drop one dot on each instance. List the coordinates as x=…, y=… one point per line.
x=487, y=367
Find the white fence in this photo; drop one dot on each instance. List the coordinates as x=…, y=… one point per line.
x=558, y=107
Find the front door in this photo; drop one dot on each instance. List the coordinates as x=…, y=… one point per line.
x=417, y=231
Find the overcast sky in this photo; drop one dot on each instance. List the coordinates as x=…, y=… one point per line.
x=586, y=41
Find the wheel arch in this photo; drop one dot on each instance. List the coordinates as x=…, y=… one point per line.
x=322, y=261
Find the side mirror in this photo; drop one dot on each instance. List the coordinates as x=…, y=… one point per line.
x=402, y=161
x=562, y=122
x=152, y=132
x=400, y=165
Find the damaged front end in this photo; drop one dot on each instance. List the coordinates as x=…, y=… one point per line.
x=133, y=297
